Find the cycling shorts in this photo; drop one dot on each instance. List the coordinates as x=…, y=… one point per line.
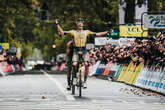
x=75, y=57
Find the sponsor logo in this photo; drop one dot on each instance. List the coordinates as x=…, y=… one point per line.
x=151, y=83
x=157, y=21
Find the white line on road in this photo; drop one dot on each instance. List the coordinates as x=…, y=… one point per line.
x=141, y=102
x=61, y=88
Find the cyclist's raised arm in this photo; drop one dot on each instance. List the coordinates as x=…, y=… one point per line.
x=99, y=34
x=60, y=30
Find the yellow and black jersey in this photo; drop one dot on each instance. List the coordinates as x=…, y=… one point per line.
x=80, y=38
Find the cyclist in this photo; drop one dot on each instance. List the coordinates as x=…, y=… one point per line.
x=80, y=37
x=69, y=52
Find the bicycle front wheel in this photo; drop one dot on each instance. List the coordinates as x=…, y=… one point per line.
x=73, y=89
x=73, y=85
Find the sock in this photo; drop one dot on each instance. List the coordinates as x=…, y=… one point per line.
x=85, y=78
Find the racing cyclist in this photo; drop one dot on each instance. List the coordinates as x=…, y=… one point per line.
x=80, y=37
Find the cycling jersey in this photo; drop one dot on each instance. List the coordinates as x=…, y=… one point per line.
x=80, y=38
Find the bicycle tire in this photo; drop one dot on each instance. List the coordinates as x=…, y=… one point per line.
x=80, y=85
x=72, y=85
x=73, y=89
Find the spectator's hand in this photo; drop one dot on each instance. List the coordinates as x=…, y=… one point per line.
x=56, y=22
x=158, y=35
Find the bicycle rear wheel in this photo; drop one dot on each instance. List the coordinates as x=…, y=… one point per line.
x=80, y=85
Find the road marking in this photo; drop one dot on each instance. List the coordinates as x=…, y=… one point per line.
x=61, y=88
x=124, y=101
x=156, y=103
x=141, y=102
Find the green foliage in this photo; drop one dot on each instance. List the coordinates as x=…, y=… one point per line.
x=27, y=50
x=21, y=28
x=156, y=5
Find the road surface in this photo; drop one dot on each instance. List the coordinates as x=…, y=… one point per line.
x=41, y=90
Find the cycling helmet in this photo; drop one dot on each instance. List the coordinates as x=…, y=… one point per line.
x=80, y=20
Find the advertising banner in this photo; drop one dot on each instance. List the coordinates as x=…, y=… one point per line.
x=100, y=69
x=89, y=46
x=121, y=41
x=135, y=73
x=18, y=54
x=8, y=68
x=117, y=73
x=107, y=69
x=112, y=41
x=101, y=41
x=1, y=69
x=126, y=41
x=152, y=79
x=143, y=73
x=162, y=81
x=154, y=21
x=5, y=46
x=94, y=68
x=130, y=73
x=132, y=31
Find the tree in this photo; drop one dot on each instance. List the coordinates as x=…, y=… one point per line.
x=21, y=24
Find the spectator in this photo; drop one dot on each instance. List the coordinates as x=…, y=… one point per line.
x=149, y=51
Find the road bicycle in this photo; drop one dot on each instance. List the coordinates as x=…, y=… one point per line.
x=76, y=78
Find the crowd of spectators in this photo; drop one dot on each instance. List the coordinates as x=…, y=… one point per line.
x=9, y=57
x=150, y=51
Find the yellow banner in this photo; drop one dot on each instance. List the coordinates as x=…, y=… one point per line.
x=18, y=55
x=5, y=46
x=133, y=31
x=130, y=73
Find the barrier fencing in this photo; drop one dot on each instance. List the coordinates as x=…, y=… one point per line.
x=6, y=68
x=137, y=75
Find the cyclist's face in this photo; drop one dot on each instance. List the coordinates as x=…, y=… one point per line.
x=80, y=25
